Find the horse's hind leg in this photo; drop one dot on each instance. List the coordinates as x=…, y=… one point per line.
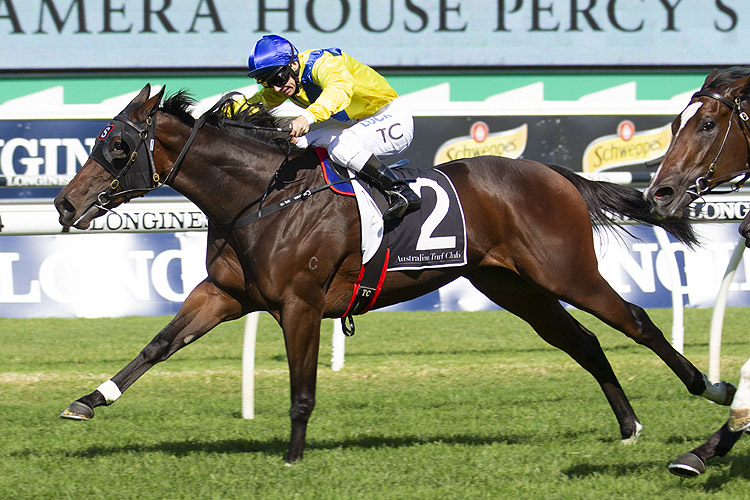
x=204, y=308
x=571, y=274
x=591, y=293
x=693, y=463
x=557, y=327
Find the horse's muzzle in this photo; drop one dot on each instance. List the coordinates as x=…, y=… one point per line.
x=68, y=214
x=665, y=202
x=66, y=210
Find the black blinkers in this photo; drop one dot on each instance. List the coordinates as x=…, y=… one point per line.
x=125, y=150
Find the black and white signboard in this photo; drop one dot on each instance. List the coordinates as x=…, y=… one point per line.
x=72, y=34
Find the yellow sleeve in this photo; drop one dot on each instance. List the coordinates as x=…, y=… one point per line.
x=267, y=96
x=337, y=84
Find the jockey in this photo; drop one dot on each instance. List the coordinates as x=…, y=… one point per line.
x=328, y=83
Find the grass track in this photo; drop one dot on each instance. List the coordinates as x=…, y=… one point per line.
x=428, y=406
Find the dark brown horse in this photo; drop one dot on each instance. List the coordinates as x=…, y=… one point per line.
x=710, y=147
x=529, y=246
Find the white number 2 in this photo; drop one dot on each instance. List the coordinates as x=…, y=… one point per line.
x=426, y=241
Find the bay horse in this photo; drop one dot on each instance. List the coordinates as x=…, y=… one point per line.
x=710, y=147
x=529, y=234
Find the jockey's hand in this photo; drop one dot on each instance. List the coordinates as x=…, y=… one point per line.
x=300, y=126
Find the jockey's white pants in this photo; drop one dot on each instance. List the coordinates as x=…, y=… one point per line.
x=351, y=143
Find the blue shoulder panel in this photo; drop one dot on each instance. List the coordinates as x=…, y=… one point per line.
x=312, y=90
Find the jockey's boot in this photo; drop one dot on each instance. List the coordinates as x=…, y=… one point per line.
x=401, y=198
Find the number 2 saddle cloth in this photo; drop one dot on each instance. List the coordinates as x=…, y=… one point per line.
x=432, y=237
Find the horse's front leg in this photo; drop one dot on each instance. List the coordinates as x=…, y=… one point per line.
x=300, y=322
x=744, y=229
x=204, y=308
x=693, y=463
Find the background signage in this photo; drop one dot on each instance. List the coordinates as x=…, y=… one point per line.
x=47, y=152
x=72, y=34
x=94, y=275
x=46, y=130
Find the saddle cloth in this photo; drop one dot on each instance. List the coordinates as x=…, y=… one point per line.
x=431, y=237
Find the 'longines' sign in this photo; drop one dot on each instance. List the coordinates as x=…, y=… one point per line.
x=70, y=34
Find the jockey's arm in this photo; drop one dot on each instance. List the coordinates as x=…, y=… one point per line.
x=337, y=85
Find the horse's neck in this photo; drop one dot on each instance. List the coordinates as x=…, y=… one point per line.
x=222, y=177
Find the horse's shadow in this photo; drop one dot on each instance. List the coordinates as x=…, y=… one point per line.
x=277, y=447
x=723, y=468
x=719, y=470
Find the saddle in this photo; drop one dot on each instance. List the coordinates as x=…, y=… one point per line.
x=432, y=237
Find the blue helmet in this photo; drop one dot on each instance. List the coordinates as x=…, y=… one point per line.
x=270, y=54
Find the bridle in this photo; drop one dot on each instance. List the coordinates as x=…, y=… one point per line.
x=139, y=175
x=706, y=183
x=132, y=176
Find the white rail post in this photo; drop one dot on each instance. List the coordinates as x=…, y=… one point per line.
x=717, y=318
x=337, y=346
x=678, y=325
x=248, y=365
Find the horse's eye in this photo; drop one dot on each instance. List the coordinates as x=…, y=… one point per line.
x=118, y=147
x=709, y=125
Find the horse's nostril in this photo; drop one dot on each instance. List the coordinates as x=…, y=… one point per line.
x=65, y=207
x=663, y=193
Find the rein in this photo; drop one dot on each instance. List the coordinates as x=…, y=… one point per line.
x=273, y=208
x=702, y=183
x=147, y=138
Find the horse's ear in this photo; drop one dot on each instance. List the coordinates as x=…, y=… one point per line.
x=710, y=77
x=146, y=109
x=142, y=95
x=741, y=87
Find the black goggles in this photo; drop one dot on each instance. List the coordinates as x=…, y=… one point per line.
x=277, y=78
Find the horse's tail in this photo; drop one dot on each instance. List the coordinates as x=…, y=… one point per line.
x=606, y=199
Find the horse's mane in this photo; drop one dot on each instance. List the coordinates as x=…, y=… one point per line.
x=180, y=103
x=727, y=76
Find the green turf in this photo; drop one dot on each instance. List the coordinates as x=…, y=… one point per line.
x=428, y=406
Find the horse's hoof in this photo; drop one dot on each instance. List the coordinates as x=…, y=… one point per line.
x=78, y=411
x=731, y=391
x=634, y=438
x=687, y=465
x=721, y=393
x=739, y=420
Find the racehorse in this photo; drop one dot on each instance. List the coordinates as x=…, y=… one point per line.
x=529, y=234
x=710, y=147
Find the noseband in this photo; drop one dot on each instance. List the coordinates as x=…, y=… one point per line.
x=702, y=183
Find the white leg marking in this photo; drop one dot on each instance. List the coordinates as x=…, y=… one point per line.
x=742, y=398
x=632, y=439
x=110, y=391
